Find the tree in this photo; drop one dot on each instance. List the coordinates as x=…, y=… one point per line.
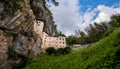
x=71, y=40
x=115, y=21
x=91, y=31
x=82, y=36
x=59, y=33
x=97, y=31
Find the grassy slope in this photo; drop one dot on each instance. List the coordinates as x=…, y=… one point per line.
x=104, y=54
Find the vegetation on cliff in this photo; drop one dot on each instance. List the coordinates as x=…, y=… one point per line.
x=10, y=7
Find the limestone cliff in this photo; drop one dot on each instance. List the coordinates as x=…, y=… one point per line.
x=42, y=13
x=17, y=36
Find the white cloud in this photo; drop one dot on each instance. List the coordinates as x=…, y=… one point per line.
x=105, y=13
x=88, y=17
x=68, y=18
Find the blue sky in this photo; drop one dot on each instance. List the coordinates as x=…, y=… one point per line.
x=73, y=15
x=94, y=3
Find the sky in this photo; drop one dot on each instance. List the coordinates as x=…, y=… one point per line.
x=73, y=15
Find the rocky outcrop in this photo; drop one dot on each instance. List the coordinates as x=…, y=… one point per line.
x=3, y=50
x=17, y=36
x=17, y=31
x=42, y=13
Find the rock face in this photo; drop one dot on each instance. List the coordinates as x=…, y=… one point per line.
x=42, y=13
x=17, y=35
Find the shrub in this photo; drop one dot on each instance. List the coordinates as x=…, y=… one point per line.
x=50, y=50
x=12, y=54
x=108, y=32
x=22, y=63
x=59, y=51
x=67, y=50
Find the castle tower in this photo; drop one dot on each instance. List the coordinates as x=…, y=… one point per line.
x=38, y=27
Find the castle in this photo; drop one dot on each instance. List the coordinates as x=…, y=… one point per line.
x=48, y=41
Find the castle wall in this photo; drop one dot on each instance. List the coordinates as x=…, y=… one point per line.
x=56, y=42
x=38, y=27
x=48, y=41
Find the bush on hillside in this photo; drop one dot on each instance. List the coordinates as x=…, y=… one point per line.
x=59, y=51
x=50, y=50
x=108, y=32
x=12, y=54
x=24, y=61
x=67, y=50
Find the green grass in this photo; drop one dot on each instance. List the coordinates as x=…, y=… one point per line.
x=105, y=54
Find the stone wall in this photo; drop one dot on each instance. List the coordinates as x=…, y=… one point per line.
x=79, y=46
x=17, y=30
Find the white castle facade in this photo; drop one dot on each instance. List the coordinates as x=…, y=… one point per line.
x=48, y=41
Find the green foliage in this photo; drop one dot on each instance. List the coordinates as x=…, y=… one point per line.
x=59, y=51
x=102, y=55
x=63, y=51
x=50, y=50
x=115, y=21
x=23, y=63
x=23, y=60
x=96, y=31
x=10, y=7
x=67, y=50
x=71, y=40
x=108, y=32
x=12, y=54
x=60, y=34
